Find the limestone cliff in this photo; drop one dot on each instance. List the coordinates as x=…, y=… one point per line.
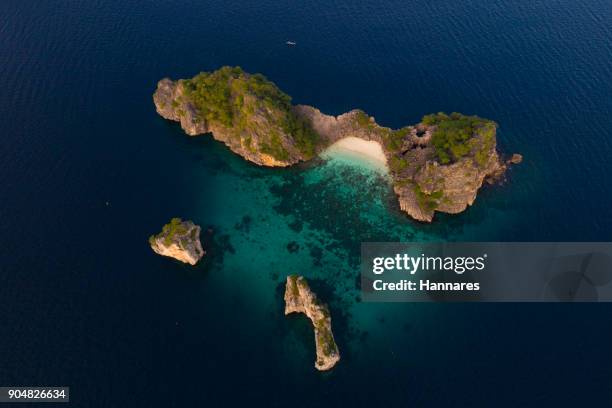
x=436, y=165
x=179, y=240
x=246, y=112
x=300, y=299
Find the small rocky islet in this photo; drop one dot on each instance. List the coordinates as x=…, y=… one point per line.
x=299, y=298
x=438, y=164
x=179, y=240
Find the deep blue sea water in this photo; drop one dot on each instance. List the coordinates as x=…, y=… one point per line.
x=88, y=171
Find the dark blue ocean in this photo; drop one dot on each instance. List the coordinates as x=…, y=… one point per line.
x=88, y=171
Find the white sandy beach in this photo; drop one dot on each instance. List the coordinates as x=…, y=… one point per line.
x=361, y=150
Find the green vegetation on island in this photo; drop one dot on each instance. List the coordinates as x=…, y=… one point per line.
x=426, y=201
x=241, y=102
x=180, y=240
x=300, y=298
x=436, y=165
x=169, y=231
x=454, y=133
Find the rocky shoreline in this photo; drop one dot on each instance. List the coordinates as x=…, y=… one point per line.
x=437, y=165
x=179, y=240
x=422, y=184
x=299, y=298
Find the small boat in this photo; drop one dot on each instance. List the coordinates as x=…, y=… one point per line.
x=291, y=43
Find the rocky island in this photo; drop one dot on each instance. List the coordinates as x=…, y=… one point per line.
x=179, y=240
x=300, y=299
x=438, y=164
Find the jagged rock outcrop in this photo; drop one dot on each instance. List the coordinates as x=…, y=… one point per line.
x=179, y=240
x=421, y=182
x=436, y=165
x=246, y=112
x=300, y=299
x=515, y=159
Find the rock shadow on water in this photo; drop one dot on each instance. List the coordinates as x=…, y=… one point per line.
x=209, y=154
x=216, y=244
x=454, y=226
x=294, y=326
x=300, y=327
